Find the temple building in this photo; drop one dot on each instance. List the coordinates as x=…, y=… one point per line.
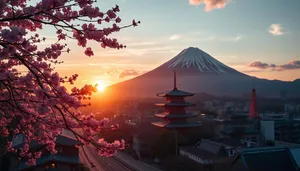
x=66, y=158
x=175, y=115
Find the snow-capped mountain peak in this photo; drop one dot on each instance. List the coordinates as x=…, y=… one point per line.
x=195, y=58
x=198, y=72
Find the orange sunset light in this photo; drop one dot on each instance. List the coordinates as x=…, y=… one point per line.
x=101, y=86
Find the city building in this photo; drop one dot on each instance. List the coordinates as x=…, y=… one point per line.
x=228, y=154
x=292, y=109
x=246, y=138
x=211, y=152
x=274, y=116
x=276, y=158
x=285, y=128
x=142, y=138
x=267, y=132
x=260, y=129
x=66, y=158
x=288, y=130
x=243, y=125
x=239, y=126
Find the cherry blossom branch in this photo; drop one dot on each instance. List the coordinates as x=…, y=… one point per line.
x=37, y=103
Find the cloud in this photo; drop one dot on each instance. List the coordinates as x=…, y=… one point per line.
x=210, y=4
x=113, y=72
x=175, y=37
x=237, y=38
x=127, y=73
x=276, y=29
x=259, y=65
x=251, y=71
x=292, y=65
x=232, y=38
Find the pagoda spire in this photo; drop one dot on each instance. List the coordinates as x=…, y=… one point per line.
x=175, y=85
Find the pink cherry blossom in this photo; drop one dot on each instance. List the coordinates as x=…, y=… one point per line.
x=31, y=162
x=107, y=19
x=37, y=154
x=32, y=92
x=89, y=52
x=111, y=14
x=118, y=20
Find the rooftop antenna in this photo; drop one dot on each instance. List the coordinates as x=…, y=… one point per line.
x=175, y=86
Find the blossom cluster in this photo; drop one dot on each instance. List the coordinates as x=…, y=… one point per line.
x=34, y=101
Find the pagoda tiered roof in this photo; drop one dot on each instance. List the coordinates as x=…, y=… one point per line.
x=175, y=104
x=175, y=117
x=168, y=115
x=175, y=93
x=171, y=125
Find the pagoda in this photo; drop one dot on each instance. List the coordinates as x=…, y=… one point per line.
x=175, y=115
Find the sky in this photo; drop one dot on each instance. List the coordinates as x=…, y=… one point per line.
x=259, y=37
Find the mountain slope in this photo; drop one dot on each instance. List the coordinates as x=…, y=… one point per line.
x=198, y=72
x=197, y=59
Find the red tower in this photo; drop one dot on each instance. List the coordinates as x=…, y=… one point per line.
x=253, y=111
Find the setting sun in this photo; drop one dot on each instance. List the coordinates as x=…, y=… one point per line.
x=101, y=86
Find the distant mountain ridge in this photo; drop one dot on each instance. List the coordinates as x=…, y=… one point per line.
x=199, y=72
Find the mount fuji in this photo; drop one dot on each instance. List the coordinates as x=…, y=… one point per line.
x=195, y=59
x=199, y=72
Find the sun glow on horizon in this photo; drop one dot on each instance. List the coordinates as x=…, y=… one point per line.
x=101, y=86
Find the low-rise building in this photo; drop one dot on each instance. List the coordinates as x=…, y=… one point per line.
x=210, y=152
x=276, y=158
x=285, y=128
x=292, y=109
x=239, y=125
x=142, y=136
x=66, y=158
x=288, y=130
x=233, y=155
